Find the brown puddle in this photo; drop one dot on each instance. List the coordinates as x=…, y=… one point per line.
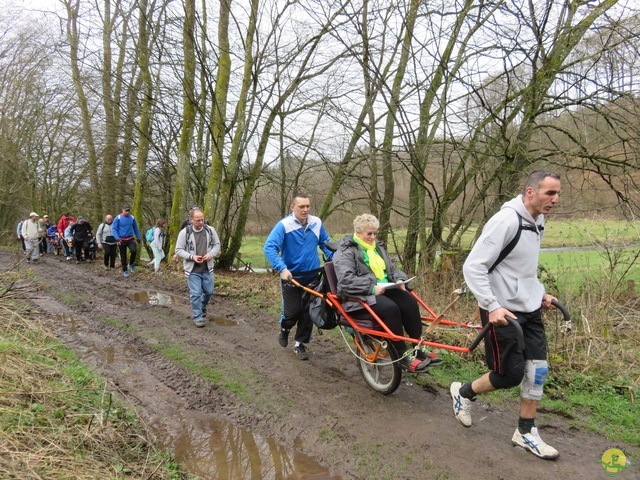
x=156, y=298
x=214, y=449
x=113, y=354
x=161, y=299
x=208, y=447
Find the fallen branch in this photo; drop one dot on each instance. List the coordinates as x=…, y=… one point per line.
x=630, y=389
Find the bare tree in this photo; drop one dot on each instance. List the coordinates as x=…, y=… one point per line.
x=189, y=104
x=73, y=37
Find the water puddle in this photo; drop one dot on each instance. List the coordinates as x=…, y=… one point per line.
x=156, y=298
x=206, y=446
x=68, y=320
x=113, y=354
x=223, y=322
x=211, y=448
x=161, y=299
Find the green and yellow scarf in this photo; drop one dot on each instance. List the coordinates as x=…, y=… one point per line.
x=373, y=259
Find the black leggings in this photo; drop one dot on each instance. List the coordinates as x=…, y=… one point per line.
x=397, y=309
x=295, y=310
x=81, y=245
x=109, y=255
x=131, y=245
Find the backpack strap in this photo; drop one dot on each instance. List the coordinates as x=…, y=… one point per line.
x=512, y=244
x=189, y=231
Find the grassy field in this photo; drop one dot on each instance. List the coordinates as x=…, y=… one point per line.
x=604, y=247
x=618, y=269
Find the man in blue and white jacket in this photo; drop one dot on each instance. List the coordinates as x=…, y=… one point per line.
x=292, y=250
x=127, y=234
x=197, y=245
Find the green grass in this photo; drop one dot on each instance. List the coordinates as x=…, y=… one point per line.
x=233, y=378
x=114, y=322
x=55, y=410
x=573, y=233
x=69, y=299
x=588, y=402
x=603, y=407
x=252, y=251
x=572, y=270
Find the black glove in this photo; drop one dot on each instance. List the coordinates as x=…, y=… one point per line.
x=138, y=241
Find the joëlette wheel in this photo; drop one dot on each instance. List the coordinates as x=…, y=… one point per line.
x=382, y=371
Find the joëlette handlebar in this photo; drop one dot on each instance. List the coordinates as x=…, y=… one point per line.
x=486, y=328
x=515, y=323
x=562, y=308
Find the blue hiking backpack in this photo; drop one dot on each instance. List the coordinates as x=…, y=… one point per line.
x=149, y=234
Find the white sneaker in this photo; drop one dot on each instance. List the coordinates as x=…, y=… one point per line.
x=533, y=443
x=461, y=405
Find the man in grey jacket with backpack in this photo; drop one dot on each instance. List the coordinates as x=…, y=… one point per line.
x=501, y=271
x=198, y=244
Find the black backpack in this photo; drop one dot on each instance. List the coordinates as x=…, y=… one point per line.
x=322, y=314
x=512, y=244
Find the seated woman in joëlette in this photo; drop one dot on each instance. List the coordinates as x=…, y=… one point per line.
x=362, y=268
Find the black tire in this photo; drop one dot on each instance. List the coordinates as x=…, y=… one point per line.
x=384, y=374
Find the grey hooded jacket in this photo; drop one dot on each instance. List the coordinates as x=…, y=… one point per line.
x=355, y=278
x=513, y=284
x=186, y=248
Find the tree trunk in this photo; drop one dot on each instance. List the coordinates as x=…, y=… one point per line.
x=181, y=190
x=417, y=221
x=146, y=110
x=389, y=130
x=73, y=37
x=218, y=175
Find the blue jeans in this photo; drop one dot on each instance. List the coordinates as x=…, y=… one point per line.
x=67, y=248
x=200, y=291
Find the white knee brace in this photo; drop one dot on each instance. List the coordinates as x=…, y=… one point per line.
x=535, y=374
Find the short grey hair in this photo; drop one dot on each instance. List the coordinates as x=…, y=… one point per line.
x=535, y=179
x=363, y=221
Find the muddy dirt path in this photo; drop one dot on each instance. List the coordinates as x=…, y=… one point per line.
x=262, y=413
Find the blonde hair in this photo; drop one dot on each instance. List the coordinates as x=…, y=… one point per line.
x=363, y=221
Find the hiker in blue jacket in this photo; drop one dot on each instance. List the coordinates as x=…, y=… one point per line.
x=292, y=250
x=126, y=232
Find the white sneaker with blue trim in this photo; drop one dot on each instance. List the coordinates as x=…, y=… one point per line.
x=533, y=443
x=461, y=405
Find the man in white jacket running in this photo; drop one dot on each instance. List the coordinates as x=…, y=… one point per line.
x=501, y=271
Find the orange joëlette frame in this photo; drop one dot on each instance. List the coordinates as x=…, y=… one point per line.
x=382, y=331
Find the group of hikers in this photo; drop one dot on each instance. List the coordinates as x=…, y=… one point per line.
x=77, y=237
x=39, y=236
x=197, y=246
x=501, y=272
